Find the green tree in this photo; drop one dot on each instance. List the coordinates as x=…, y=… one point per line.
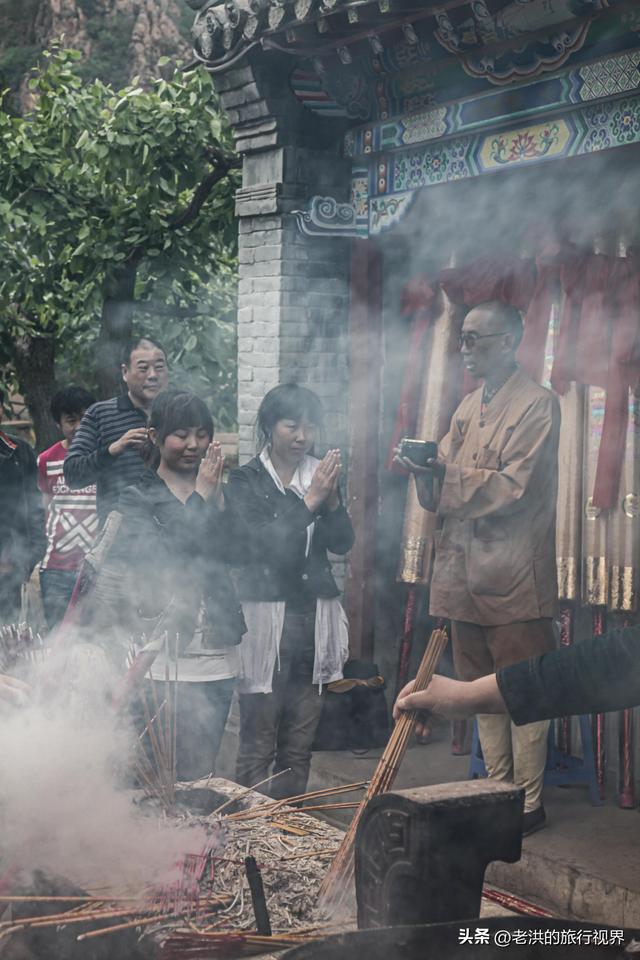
x=112, y=205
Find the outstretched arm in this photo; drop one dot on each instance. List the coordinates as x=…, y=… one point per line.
x=593, y=676
x=453, y=698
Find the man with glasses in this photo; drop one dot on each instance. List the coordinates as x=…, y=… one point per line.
x=494, y=485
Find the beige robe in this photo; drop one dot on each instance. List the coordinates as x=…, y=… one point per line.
x=495, y=553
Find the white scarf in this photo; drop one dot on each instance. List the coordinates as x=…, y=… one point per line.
x=260, y=646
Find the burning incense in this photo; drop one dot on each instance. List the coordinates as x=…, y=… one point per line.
x=340, y=873
x=157, y=768
x=17, y=645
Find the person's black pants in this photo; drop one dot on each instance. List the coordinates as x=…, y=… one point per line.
x=278, y=728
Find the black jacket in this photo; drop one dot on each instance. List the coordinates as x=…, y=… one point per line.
x=270, y=531
x=594, y=676
x=166, y=550
x=22, y=526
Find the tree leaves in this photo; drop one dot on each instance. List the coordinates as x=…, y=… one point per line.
x=91, y=180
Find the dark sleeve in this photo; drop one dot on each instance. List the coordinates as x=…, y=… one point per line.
x=197, y=510
x=34, y=519
x=87, y=453
x=137, y=562
x=261, y=531
x=334, y=530
x=593, y=676
x=134, y=506
x=136, y=542
x=206, y=530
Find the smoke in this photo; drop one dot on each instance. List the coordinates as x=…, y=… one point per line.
x=63, y=809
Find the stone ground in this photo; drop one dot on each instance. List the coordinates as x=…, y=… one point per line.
x=585, y=864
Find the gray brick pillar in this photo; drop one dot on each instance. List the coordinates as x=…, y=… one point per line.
x=293, y=290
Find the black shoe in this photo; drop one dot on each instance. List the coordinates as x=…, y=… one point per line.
x=533, y=821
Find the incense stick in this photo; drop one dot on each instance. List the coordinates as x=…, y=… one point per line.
x=340, y=873
x=248, y=790
x=15, y=898
x=175, y=717
x=277, y=806
x=138, y=922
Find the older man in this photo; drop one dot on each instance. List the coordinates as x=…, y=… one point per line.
x=494, y=485
x=107, y=446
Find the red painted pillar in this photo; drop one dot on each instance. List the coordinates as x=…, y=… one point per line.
x=365, y=356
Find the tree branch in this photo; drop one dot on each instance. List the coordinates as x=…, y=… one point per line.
x=183, y=218
x=224, y=164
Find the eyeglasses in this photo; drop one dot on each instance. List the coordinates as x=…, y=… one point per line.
x=469, y=340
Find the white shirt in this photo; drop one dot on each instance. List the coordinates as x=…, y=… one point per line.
x=260, y=645
x=198, y=664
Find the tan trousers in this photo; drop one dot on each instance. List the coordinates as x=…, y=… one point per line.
x=514, y=754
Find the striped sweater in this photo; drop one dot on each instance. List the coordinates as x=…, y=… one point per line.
x=89, y=461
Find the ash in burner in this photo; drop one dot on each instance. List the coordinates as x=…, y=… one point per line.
x=200, y=801
x=209, y=909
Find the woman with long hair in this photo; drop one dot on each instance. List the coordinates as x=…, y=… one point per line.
x=172, y=575
x=287, y=513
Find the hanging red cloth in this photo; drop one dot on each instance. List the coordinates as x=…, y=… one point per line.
x=593, y=346
x=531, y=353
x=572, y=275
x=418, y=298
x=510, y=279
x=597, y=345
x=623, y=373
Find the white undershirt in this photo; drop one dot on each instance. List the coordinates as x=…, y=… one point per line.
x=197, y=663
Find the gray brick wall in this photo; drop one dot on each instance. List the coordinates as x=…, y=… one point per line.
x=292, y=309
x=293, y=291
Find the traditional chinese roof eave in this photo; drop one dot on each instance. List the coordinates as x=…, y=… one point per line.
x=225, y=31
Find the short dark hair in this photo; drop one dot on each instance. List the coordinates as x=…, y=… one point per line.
x=134, y=343
x=70, y=400
x=175, y=409
x=288, y=401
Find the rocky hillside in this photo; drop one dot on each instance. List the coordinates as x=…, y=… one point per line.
x=120, y=39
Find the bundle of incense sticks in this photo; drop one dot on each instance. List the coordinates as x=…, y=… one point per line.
x=190, y=945
x=156, y=767
x=280, y=806
x=340, y=874
x=131, y=913
x=18, y=645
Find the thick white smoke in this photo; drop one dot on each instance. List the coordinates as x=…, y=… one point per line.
x=62, y=809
